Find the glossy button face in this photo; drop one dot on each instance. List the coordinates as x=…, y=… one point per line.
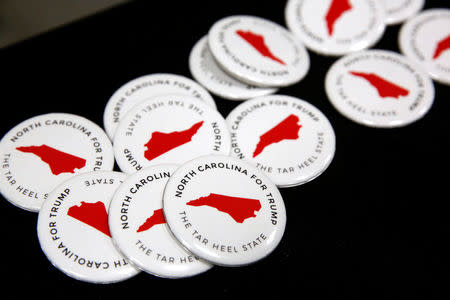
x=398, y=11
x=169, y=130
x=224, y=210
x=258, y=51
x=425, y=39
x=287, y=138
x=336, y=27
x=43, y=151
x=379, y=88
x=145, y=87
x=73, y=229
x=139, y=229
x=205, y=70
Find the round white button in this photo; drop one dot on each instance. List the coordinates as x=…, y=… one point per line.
x=224, y=210
x=139, y=229
x=379, y=88
x=258, y=51
x=43, y=151
x=169, y=129
x=425, y=39
x=287, y=138
x=336, y=27
x=73, y=229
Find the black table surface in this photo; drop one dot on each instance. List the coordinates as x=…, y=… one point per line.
x=374, y=225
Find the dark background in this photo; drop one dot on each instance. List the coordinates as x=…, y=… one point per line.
x=374, y=225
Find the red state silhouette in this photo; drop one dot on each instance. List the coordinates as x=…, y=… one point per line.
x=335, y=11
x=384, y=87
x=92, y=214
x=442, y=46
x=285, y=130
x=239, y=209
x=155, y=219
x=161, y=142
x=257, y=41
x=58, y=161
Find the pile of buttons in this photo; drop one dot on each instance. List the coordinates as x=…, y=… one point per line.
x=195, y=188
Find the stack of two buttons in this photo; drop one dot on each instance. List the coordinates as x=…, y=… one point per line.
x=244, y=57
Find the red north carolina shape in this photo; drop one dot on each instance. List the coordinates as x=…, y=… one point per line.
x=155, y=219
x=92, y=214
x=286, y=130
x=442, y=45
x=161, y=142
x=239, y=209
x=335, y=11
x=257, y=41
x=58, y=161
x=384, y=87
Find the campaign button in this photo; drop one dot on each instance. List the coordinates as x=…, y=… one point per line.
x=224, y=210
x=425, y=39
x=73, y=229
x=170, y=129
x=379, y=88
x=336, y=27
x=139, y=229
x=45, y=150
x=287, y=138
x=258, y=51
